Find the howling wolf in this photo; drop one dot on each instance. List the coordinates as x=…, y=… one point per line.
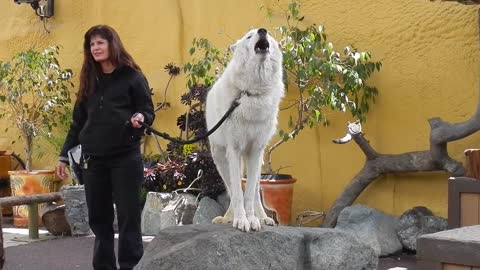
x=255, y=75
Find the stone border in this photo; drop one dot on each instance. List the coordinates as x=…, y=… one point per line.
x=457, y=185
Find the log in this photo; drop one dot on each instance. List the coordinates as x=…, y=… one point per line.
x=29, y=199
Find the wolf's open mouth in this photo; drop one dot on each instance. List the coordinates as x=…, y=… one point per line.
x=262, y=46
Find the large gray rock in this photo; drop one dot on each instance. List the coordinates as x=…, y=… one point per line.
x=154, y=215
x=371, y=226
x=224, y=200
x=186, y=209
x=417, y=222
x=164, y=210
x=212, y=247
x=76, y=211
x=207, y=210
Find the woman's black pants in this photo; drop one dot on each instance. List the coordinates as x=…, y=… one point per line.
x=115, y=179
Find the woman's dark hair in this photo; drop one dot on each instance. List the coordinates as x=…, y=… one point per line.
x=91, y=69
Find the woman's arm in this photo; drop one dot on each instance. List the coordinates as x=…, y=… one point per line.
x=142, y=98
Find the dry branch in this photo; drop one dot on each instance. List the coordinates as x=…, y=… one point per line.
x=434, y=159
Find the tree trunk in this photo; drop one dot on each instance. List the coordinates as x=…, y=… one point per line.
x=28, y=152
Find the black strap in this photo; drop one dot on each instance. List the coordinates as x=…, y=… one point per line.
x=234, y=105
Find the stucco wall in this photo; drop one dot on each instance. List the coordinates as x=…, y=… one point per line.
x=430, y=68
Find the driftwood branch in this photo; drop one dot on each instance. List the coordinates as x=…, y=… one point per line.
x=376, y=165
x=434, y=159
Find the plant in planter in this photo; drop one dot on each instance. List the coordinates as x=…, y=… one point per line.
x=322, y=79
x=34, y=92
x=319, y=80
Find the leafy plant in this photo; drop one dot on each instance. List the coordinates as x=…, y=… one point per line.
x=34, y=94
x=56, y=138
x=179, y=165
x=319, y=78
x=322, y=79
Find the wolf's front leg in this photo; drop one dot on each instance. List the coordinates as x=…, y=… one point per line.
x=236, y=195
x=253, y=159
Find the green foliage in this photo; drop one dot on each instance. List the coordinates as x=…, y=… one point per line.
x=56, y=137
x=199, y=70
x=319, y=78
x=324, y=78
x=34, y=93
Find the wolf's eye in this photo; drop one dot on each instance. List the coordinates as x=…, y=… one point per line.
x=249, y=37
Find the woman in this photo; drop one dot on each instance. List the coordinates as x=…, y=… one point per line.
x=113, y=99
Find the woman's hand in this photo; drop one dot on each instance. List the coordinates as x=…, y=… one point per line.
x=62, y=170
x=136, y=118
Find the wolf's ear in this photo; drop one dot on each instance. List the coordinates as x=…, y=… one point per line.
x=234, y=46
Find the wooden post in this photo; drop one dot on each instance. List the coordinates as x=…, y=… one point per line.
x=2, y=252
x=33, y=221
x=32, y=201
x=473, y=163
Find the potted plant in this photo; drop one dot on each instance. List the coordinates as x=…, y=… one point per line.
x=319, y=80
x=34, y=92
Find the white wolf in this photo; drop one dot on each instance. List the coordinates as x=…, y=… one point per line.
x=255, y=75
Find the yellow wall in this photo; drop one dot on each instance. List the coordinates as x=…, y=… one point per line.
x=430, y=68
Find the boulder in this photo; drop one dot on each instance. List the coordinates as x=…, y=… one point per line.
x=186, y=209
x=207, y=210
x=223, y=247
x=224, y=200
x=371, y=226
x=164, y=210
x=76, y=211
x=417, y=222
x=54, y=220
x=154, y=218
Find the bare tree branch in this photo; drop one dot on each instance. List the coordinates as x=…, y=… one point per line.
x=434, y=159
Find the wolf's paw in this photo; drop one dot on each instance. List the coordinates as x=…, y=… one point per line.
x=241, y=224
x=254, y=223
x=222, y=220
x=268, y=221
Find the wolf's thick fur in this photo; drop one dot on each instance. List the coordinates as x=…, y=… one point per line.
x=255, y=70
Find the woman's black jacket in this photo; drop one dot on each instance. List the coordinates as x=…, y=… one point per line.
x=99, y=122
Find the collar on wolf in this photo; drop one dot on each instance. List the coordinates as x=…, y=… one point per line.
x=245, y=92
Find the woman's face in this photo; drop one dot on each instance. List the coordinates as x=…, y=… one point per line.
x=99, y=49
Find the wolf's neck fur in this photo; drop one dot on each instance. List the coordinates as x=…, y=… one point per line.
x=260, y=75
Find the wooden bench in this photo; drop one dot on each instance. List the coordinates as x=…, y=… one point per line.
x=463, y=202
x=457, y=249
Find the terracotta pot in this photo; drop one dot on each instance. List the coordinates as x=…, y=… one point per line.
x=276, y=192
x=34, y=182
